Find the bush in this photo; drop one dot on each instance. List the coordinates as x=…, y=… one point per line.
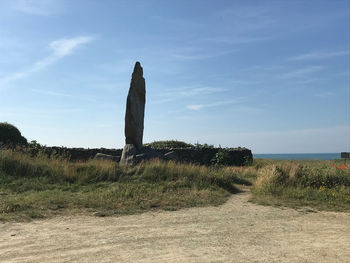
x=168, y=144
x=295, y=184
x=221, y=158
x=10, y=135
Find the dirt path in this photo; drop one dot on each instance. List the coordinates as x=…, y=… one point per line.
x=237, y=231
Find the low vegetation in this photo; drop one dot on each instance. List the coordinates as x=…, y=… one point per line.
x=169, y=144
x=36, y=187
x=319, y=184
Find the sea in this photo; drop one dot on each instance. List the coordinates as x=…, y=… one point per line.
x=298, y=156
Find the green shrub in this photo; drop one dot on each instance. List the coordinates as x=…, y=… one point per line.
x=10, y=135
x=221, y=158
x=168, y=144
x=205, y=145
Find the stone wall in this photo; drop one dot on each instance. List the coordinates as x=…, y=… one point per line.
x=79, y=154
x=203, y=156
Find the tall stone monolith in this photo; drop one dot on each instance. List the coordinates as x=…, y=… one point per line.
x=134, y=116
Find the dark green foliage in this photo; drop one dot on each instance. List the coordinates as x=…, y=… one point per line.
x=36, y=149
x=169, y=144
x=174, y=144
x=237, y=156
x=10, y=135
x=221, y=158
x=205, y=145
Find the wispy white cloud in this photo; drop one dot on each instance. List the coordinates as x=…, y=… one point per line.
x=199, y=91
x=243, y=82
x=60, y=48
x=320, y=55
x=301, y=72
x=307, y=81
x=185, y=92
x=36, y=7
x=64, y=47
x=197, y=107
x=325, y=94
x=200, y=54
x=233, y=39
x=62, y=95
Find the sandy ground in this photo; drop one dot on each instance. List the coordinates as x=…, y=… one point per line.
x=237, y=231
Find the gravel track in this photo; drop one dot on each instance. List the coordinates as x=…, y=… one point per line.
x=237, y=231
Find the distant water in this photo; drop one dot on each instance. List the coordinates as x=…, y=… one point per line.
x=299, y=156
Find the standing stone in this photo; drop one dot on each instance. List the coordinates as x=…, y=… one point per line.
x=135, y=108
x=134, y=116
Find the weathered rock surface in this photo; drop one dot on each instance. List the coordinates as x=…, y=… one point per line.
x=135, y=108
x=134, y=117
x=170, y=156
x=149, y=153
x=132, y=156
x=129, y=155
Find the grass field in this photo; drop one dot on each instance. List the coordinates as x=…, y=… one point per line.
x=323, y=185
x=38, y=187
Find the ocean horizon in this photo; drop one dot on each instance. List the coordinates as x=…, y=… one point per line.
x=297, y=156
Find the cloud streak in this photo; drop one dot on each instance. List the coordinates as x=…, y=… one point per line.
x=301, y=72
x=200, y=54
x=234, y=40
x=60, y=49
x=63, y=95
x=35, y=7
x=186, y=92
x=66, y=46
x=325, y=94
x=320, y=55
x=197, y=107
x=199, y=91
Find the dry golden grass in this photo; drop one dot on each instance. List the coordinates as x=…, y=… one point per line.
x=313, y=183
x=34, y=187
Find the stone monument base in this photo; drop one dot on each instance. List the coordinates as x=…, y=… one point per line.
x=132, y=156
x=128, y=155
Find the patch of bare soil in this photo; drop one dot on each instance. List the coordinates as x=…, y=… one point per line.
x=237, y=231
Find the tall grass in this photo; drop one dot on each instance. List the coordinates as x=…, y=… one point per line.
x=314, y=183
x=41, y=186
x=35, y=187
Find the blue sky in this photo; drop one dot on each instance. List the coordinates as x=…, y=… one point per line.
x=269, y=75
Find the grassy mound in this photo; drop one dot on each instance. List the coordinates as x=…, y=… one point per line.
x=35, y=187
